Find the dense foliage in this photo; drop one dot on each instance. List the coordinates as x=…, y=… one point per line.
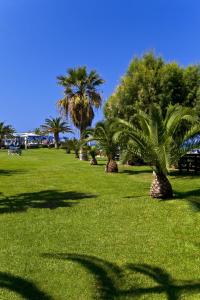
x=151, y=80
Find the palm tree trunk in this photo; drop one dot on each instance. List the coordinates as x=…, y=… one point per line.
x=83, y=152
x=56, y=138
x=93, y=161
x=111, y=166
x=161, y=187
x=76, y=153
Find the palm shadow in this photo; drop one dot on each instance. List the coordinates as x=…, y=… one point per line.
x=110, y=278
x=134, y=197
x=51, y=199
x=193, y=197
x=105, y=273
x=11, y=172
x=135, y=172
x=26, y=289
x=183, y=175
x=165, y=284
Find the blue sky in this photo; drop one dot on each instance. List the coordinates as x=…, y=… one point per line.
x=40, y=39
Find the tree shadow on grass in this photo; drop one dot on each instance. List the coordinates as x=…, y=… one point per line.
x=134, y=197
x=193, y=197
x=110, y=278
x=135, y=172
x=22, y=287
x=184, y=174
x=105, y=273
x=51, y=199
x=11, y=172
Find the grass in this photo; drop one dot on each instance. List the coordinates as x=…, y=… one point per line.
x=70, y=231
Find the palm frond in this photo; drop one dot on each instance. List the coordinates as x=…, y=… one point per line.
x=155, y=135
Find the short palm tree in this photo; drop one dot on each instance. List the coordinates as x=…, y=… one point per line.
x=93, y=153
x=5, y=131
x=38, y=131
x=74, y=144
x=155, y=138
x=55, y=126
x=80, y=98
x=103, y=134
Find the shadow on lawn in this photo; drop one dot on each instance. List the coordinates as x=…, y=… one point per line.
x=135, y=172
x=11, y=172
x=44, y=199
x=192, y=196
x=22, y=287
x=110, y=279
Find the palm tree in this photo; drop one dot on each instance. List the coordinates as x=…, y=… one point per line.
x=104, y=133
x=55, y=126
x=74, y=144
x=155, y=138
x=93, y=153
x=80, y=96
x=38, y=131
x=5, y=131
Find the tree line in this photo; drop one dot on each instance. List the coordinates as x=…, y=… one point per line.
x=153, y=114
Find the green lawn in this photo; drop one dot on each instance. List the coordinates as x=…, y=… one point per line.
x=70, y=231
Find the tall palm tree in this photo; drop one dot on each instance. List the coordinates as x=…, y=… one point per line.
x=104, y=133
x=5, y=131
x=81, y=95
x=155, y=137
x=55, y=126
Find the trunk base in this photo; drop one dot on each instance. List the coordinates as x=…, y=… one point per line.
x=76, y=153
x=93, y=161
x=67, y=151
x=161, y=187
x=111, y=167
x=83, y=154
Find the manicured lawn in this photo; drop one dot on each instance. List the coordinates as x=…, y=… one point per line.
x=70, y=231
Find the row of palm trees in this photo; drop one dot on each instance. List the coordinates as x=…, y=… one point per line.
x=81, y=97
x=159, y=140
x=156, y=138
x=153, y=137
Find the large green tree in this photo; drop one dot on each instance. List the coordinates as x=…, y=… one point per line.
x=151, y=80
x=153, y=137
x=81, y=96
x=55, y=126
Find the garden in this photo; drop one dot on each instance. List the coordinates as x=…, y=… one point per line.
x=106, y=214
x=71, y=231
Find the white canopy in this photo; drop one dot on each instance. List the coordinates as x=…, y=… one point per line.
x=27, y=134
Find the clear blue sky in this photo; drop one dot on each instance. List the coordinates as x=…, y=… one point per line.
x=40, y=39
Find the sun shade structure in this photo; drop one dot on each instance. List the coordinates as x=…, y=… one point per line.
x=29, y=140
